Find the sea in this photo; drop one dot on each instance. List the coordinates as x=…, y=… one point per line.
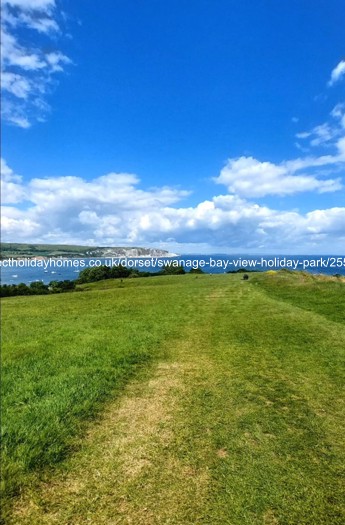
x=26, y=270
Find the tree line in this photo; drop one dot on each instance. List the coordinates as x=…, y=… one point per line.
x=36, y=288
x=89, y=275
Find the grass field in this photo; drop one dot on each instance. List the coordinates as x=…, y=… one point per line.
x=176, y=400
x=44, y=250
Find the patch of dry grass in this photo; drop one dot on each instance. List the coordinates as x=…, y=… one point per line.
x=110, y=479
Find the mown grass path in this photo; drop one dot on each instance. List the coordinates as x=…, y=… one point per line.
x=239, y=422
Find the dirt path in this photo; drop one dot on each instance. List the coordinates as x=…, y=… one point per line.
x=130, y=469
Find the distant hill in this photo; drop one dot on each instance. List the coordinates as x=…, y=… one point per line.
x=17, y=250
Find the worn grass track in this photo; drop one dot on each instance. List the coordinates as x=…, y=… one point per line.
x=238, y=421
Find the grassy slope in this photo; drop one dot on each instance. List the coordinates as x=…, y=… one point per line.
x=255, y=371
x=64, y=355
x=30, y=250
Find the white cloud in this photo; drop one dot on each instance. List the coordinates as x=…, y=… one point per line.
x=323, y=133
x=14, y=221
x=16, y=84
x=338, y=112
x=251, y=178
x=56, y=61
x=113, y=209
x=248, y=177
x=337, y=73
x=326, y=221
x=12, y=113
x=12, y=190
x=27, y=70
x=13, y=54
x=327, y=133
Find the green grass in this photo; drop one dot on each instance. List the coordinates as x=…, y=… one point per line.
x=274, y=404
x=254, y=411
x=64, y=356
x=45, y=250
x=322, y=294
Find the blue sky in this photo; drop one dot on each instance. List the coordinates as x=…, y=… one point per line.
x=195, y=126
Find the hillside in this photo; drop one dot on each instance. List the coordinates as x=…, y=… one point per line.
x=192, y=399
x=17, y=250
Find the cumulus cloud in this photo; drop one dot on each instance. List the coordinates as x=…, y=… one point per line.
x=249, y=177
x=109, y=206
x=114, y=209
x=28, y=70
x=337, y=73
